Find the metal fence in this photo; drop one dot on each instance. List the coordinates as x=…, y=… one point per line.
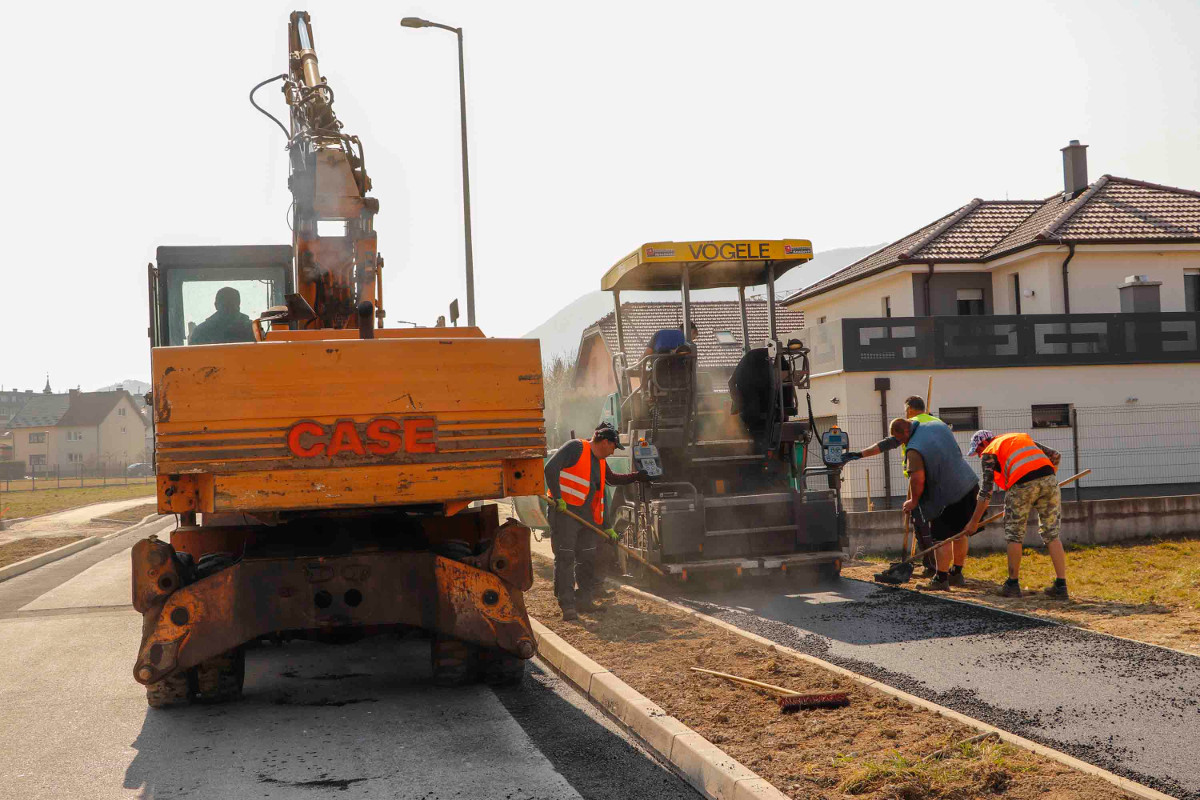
x=1131, y=450
x=55, y=477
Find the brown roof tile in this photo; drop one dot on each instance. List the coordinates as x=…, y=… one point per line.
x=640, y=321
x=1110, y=210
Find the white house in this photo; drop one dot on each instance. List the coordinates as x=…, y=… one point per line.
x=1073, y=318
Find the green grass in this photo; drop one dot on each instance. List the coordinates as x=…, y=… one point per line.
x=1162, y=572
x=31, y=504
x=968, y=770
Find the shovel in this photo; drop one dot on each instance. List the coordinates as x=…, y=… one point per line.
x=900, y=571
x=622, y=547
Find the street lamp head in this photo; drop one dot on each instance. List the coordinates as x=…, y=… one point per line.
x=415, y=22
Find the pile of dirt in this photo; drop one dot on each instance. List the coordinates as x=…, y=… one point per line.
x=872, y=749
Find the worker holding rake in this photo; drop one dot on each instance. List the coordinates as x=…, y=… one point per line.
x=1026, y=471
x=576, y=477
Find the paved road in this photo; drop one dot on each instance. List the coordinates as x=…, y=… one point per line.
x=1130, y=708
x=361, y=720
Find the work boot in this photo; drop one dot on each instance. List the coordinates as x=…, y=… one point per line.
x=1010, y=588
x=1057, y=590
x=589, y=607
x=956, y=578
x=928, y=572
x=569, y=614
x=940, y=583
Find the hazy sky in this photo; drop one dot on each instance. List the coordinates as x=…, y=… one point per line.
x=593, y=128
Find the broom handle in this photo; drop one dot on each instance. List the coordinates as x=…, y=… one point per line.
x=992, y=518
x=748, y=681
x=624, y=548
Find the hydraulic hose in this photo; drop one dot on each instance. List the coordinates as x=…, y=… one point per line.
x=262, y=110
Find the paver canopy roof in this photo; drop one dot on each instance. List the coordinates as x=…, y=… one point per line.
x=710, y=265
x=1111, y=210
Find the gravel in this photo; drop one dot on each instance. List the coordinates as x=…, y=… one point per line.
x=1130, y=708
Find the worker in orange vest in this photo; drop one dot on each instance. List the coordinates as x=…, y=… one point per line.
x=576, y=477
x=1027, y=472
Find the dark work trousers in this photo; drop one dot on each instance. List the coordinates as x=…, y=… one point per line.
x=574, y=549
x=924, y=538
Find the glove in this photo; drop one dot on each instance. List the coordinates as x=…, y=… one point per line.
x=642, y=476
x=611, y=534
x=851, y=455
x=560, y=505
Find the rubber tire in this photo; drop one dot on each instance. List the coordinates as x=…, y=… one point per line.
x=175, y=690
x=220, y=679
x=454, y=662
x=501, y=668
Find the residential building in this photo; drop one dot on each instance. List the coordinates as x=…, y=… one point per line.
x=11, y=401
x=79, y=432
x=1074, y=317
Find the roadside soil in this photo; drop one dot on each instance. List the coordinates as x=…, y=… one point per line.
x=1147, y=590
x=22, y=549
x=872, y=749
x=47, y=501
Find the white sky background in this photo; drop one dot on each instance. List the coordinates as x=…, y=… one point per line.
x=593, y=128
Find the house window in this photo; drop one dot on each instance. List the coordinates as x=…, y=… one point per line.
x=74, y=436
x=37, y=461
x=122, y=429
x=821, y=321
x=120, y=412
x=1052, y=416
x=726, y=338
x=37, y=438
x=75, y=458
x=970, y=302
x=1191, y=289
x=887, y=306
x=962, y=418
x=1016, y=282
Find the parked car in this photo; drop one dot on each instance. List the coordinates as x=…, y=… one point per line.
x=140, y=470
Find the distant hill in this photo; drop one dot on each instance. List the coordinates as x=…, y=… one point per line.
x=560, y=334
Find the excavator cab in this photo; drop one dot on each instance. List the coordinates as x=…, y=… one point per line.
x=733, y=496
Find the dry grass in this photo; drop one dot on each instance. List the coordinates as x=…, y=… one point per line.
x=32, y=504
x=873, y=749
x=22, y=549
x=1147, y=589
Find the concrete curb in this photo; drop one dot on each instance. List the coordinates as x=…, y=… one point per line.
x=29, y=564
x=709, y=769
x=1126, y=786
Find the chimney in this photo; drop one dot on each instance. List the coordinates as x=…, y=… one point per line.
x=1075, y=178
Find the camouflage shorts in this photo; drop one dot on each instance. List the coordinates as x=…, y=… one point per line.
x=1041, y=495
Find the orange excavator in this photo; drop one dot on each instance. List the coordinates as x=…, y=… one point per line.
x=323, y=467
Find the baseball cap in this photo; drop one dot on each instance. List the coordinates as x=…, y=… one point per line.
x=607, y=433
x=978, y=442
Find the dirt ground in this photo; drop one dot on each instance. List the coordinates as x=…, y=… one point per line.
x=872, y=749
x=1148, y=590
x=22, y=549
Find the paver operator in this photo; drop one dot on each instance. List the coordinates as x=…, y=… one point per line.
x=576, y=477
x=1027, y=472
x=941, y=486
x=228, y=324
x=914, y=408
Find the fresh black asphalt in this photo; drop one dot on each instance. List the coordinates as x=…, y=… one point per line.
x=1130, y=708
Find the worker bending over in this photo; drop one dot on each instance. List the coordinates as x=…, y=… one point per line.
x=576, y=477
x=914, y=408
x=1027, y=472
x=941, y=486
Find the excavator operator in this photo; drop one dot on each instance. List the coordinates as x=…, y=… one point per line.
x=228, y=324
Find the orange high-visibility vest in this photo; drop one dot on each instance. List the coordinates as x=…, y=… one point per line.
x=575, y=480
x=1018, y=456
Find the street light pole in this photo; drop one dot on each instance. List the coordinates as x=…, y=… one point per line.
x=416, y=22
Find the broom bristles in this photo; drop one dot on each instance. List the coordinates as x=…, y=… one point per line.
x=795, y=702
